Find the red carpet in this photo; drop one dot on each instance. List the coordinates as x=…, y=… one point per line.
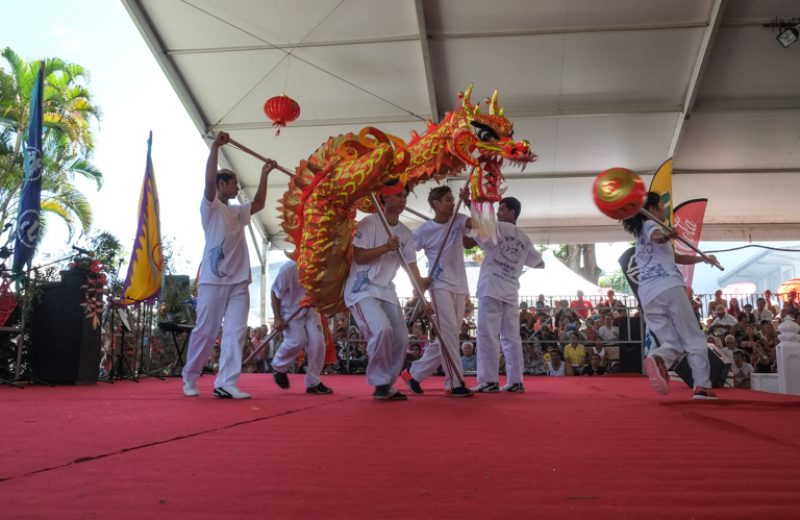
x=568, y=448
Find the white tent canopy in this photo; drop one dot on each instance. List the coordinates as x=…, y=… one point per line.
x=592, y=84
x=556, y=279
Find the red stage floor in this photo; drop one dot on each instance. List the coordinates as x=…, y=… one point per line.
x=568, y=448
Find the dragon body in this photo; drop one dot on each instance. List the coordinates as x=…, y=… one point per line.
x=319, y=207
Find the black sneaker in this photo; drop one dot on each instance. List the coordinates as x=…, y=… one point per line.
x=319, y=389
x=397, y=396
x=281, y=379
x=387, y=393
x=515, y=388
x=412, y=383
x=381, y=392
x=461, y=391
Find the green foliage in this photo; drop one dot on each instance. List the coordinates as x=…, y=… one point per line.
x=616, y=281
x=67, y=140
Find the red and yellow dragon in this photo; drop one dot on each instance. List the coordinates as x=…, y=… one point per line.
x=319, y=207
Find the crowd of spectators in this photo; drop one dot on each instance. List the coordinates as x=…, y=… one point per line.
x=572, y=337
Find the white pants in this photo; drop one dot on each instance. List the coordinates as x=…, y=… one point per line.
x=671, y=318
x=449, y=309
x=384, y=327
x=498, y=326
x=303, y=332
x=225, y=305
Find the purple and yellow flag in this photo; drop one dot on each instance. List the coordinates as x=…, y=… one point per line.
x=662, y=184
x=143, y=282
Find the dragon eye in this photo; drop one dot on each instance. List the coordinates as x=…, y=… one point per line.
x=484, y=132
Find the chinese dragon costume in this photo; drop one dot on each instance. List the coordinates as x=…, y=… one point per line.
x=318, y=210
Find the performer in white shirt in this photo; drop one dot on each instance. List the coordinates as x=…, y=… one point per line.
x=303, y=332
x=222, y=291
x=668, y=312
x=448, y=291
x=498, y=300
x=370, y=293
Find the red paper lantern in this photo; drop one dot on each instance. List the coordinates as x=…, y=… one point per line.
x=281, y=110
x=618, y=193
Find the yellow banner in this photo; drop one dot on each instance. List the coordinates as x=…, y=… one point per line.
x=143, y=282
x=662, y=184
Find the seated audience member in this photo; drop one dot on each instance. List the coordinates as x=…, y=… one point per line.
x=734, y=309
x=729, y=346
x=260, y=359
x=718, y=300
x=575, y=353
x=546, y=337
x=465, y=332
x=582, y=307
x=413, y=353
x=599, y=350
x=763, y=359
x=761, y=313
x=770, y=304
x=556, y=367
x=742, y=327
x=608, y=332
x=748, y=311
x=741, y=370
x=594, y=368
x=469, y=361
x=558, y=312
x=524, y=313
x=541, y=305
x=590, y=331
x=697, y=305
x=721, y=322
x=791, y=305
x=534, y=364
x=769, y=336
x=418, y=337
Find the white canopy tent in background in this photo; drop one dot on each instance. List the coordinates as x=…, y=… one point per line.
x=556, y=279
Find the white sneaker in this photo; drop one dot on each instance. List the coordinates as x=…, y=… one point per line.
x=486, y=388
x=657, y=373
x=230, y=392
x=190, y=389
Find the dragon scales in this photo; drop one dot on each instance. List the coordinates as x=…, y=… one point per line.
x=319, y=208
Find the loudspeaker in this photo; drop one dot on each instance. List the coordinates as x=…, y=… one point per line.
x=718, y=371
x=630, y=358
x=65, y=347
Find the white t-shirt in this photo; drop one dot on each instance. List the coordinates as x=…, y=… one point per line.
x=375, y=279
x=503, y=262
x=450, y=272
x=288, y=289
x=741, y=373
x=657, y=269
x=225, y=257
x=561, y=372
x=608, y=333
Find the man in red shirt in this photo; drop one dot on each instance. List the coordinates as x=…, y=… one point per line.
x=582, y=307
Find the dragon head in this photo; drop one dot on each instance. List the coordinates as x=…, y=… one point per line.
x=486, y=142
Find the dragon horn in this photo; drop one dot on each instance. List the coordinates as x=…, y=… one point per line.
x=466, y=95
x=493, y=110
x=467, y=102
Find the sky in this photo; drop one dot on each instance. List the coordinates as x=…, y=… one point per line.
x=135, y=98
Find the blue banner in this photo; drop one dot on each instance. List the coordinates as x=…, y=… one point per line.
x=30, y=200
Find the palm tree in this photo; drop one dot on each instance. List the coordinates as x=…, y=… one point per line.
x=67, y=141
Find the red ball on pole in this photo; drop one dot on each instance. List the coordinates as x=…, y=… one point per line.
x=618, y=193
